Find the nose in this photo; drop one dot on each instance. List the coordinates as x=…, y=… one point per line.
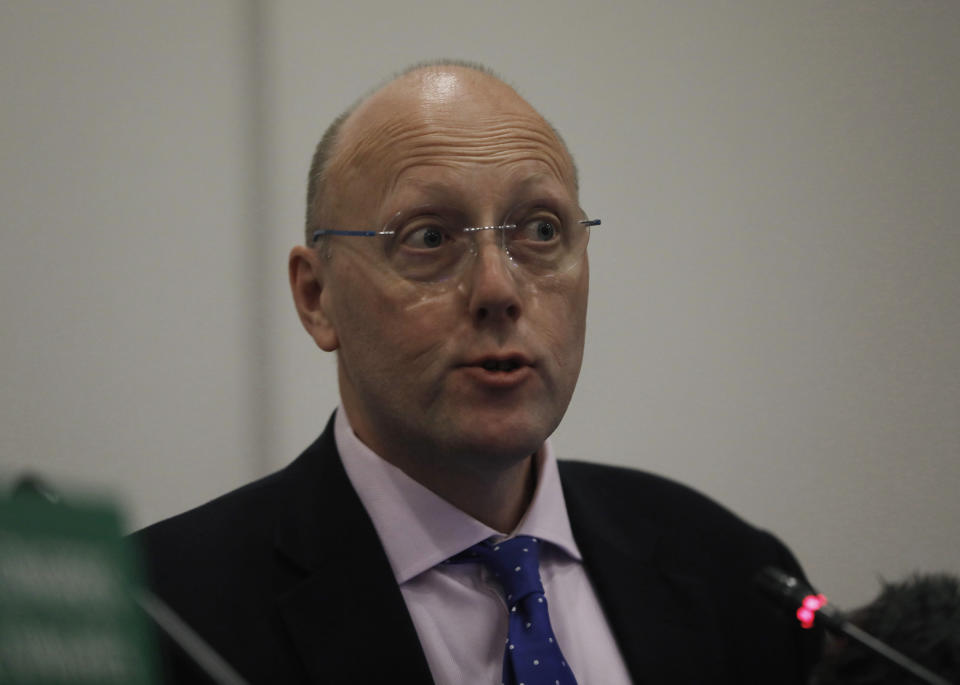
x=493, y=288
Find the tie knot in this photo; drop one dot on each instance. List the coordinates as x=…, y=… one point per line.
x=515, y=563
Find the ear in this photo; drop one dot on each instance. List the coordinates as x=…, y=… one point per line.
x=307, y=272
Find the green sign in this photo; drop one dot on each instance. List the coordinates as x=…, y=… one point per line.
x=67, y=613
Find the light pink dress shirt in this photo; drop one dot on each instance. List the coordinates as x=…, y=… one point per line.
x=457, y=610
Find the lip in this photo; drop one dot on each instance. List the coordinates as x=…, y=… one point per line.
x=497, y=379
x=519, y=368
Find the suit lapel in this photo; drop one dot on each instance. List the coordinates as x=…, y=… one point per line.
x=346, y=616
x=662, y=619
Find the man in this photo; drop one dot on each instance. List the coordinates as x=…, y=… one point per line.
x=446, y=266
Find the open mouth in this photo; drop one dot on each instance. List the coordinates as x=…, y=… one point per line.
x=501, y=364
x=504, y=372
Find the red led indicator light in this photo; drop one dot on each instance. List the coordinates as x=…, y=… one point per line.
x=808, y=609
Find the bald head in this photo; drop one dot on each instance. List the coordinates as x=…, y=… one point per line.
x=430, y=110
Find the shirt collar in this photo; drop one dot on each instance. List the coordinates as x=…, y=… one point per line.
x=419, y=529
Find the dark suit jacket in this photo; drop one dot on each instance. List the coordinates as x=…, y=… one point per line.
x=287, y=579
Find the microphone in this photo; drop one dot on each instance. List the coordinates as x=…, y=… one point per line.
x=810, y=607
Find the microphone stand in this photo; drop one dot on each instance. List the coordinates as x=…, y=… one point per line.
x=199, y=651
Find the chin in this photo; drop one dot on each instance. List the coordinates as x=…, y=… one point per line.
x=506, y=441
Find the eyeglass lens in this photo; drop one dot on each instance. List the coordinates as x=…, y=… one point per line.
x=436, y=243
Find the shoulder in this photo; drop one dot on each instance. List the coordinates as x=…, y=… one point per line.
x=248, y=515
x=685, y=529
x=231, y=542
x=631, y=525
x=591, y=477
x=222, y=566
x=202, y=560
x=617, y=494
x=236, y=519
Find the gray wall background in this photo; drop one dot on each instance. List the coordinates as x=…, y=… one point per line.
x=775, y=306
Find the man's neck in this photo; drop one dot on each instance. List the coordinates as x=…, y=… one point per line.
x=498, y=499
x=494, y=492
x=496, y=488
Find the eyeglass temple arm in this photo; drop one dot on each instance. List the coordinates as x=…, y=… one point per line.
x=331, y=231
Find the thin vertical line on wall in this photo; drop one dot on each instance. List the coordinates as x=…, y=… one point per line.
x=261, y=401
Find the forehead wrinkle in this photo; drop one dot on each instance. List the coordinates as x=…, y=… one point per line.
x=426, y=159
x=417, y=191
x=492, y=140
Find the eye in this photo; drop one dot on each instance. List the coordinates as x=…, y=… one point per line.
x=430, y=237
x=540, y=229
x=425, y=234
x=545, y=231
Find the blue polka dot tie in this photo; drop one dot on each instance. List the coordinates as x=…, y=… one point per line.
x=531, y=655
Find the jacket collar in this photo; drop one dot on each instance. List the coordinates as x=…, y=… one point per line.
x=347, y=607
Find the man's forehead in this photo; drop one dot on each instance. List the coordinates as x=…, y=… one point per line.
x=429, y=185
